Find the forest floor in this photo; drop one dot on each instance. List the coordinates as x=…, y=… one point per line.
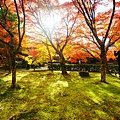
x=51, y=96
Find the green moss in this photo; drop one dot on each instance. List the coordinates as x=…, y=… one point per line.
x=51, y=96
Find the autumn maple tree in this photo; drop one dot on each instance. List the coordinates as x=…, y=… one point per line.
x=12, y=29
x=88, y=8
x=114, y=34
x=55, y=23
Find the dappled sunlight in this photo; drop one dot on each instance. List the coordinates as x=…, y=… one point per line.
x=102, y=114
x=57, y=88
x=111, y=91
x=94, y=97
x=19, y=75
x=116, y=84
x=53, y=96
x=46, y=45
x=7, y=78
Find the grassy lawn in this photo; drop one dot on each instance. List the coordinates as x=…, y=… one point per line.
x=47, y=96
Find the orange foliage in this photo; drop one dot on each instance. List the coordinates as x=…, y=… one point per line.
x=33, y=53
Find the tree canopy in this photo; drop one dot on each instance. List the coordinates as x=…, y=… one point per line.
x=72, y=30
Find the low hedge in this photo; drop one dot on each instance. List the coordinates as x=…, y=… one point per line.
x=82, y=67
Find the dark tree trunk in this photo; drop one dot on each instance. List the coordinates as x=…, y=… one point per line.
x=107, y=68
x=13, y=68
x=103, y=64
x=62, y=65
x=51, y=65
x=50, y=58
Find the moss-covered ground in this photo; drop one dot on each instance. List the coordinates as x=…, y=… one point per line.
x=51, y=96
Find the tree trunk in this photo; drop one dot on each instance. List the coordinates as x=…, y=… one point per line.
x=62, y=65
x=103, y=64
x=51, y=65
x=13, y=66
x=107, y=68
x=50, y=57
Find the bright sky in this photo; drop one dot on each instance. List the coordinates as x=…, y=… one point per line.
x=63, y=1
x=101, y=8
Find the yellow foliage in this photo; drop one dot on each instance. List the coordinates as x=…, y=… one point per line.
x=29, y=60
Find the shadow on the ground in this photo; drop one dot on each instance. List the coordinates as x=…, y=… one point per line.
x=23, y=115
x=9, y=92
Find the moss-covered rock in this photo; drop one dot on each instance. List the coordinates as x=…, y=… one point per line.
x=84, y=74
